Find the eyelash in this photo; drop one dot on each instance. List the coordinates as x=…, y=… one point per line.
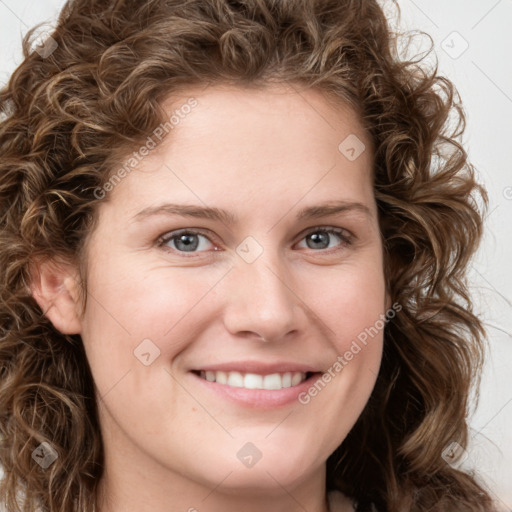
x=345, y=237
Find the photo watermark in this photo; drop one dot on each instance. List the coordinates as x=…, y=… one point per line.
x=342, y=360
x=152, y=141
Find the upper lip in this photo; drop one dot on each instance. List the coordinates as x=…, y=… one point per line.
x=258, y=367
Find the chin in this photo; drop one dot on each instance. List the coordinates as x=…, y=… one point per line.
x=272, y=471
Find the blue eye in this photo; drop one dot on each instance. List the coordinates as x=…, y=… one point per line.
x=321, y=238
x=185, y=241
x=191, y=241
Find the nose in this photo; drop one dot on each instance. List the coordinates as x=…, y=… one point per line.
x=261, y=302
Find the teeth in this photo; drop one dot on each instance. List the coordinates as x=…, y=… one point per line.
x=296, y=379
x=221, y=377
x=287, y=380
x=235, y=379
x=272, y=381
x=255, y=381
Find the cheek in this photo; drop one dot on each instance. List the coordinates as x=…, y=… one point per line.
x=352, y=309
x=128, y=304
x=348, y=299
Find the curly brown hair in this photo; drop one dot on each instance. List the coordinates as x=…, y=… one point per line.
x=70, y=119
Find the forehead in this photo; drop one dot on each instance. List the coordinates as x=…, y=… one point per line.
x=237, y=144
x=278, y=116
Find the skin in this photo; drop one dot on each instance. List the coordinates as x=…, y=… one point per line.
x=263, y=155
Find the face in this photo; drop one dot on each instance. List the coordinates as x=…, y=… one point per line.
x=243, y=252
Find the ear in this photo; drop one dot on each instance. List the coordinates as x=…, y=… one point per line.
x=54, y=286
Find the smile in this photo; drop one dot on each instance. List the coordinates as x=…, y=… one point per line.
x=271, y=381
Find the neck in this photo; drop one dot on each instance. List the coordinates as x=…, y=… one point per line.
x=150, y=492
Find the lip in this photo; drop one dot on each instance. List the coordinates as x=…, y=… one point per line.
x=258, y=367
x=256, y=398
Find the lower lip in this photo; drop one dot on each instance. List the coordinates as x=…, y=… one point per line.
x=258, y=398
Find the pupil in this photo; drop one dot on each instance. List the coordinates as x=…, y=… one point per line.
x=321, y=238
x=189, y=242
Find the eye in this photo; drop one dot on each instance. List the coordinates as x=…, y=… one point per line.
x=321, y=238
x=192, y=241
x=185, y=241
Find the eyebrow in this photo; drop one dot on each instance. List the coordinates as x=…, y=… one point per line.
x=226, y=217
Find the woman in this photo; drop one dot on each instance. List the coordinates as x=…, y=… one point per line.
x=234, y=243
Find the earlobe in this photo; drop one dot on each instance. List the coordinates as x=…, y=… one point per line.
x=54, y=287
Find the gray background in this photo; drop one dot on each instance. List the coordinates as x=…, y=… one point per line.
x=473, y=42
